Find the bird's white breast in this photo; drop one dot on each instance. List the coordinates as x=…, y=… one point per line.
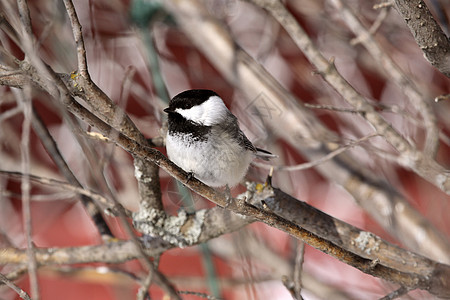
x=216, y=161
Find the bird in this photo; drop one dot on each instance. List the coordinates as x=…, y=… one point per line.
x=205, y=140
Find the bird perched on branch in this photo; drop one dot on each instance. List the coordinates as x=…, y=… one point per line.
x=205, y=140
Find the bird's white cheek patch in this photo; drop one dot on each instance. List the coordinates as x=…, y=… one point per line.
x=193, y=114
x=211, y=112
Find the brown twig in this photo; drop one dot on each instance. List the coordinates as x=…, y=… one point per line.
x=105, y=202
x=142, y=292
x=22, y=294
x=78, y=37
x=396, y=294
x=25, y=19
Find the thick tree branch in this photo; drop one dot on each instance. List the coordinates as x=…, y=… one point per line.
x=376, y=257
x=427, y=33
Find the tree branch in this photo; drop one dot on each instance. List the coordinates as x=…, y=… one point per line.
x=78, y=37
x=392, y=71
x=427, y=33
x=409, y=156
x=305, y=132
x=336, y=238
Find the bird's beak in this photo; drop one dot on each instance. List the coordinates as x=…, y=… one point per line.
x=167, y=110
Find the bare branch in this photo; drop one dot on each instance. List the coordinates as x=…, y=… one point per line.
x=391, y=263
x=78, y=37
x=25, y=18
x=409, y=156
x=427, y=33
x=321, y=160
x=52, y=148
x=146, y=173
x=304, y=132
x=393, y=71
x=396, y=294
x=299, y=258
x=63, y=186
x=22, y=294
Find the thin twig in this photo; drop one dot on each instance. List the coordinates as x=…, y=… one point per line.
x=78, y=36
x=375, y=26
x=384, y=4
x=298, y=267
x=22, y=294
x=334, y=108
x=53, y=150
x=396, y=294
x=25, y=103
x=63, y=186
x=319, y=161
x=145, y=284
x=198, y=294
x=108, y=111
x=25, y=17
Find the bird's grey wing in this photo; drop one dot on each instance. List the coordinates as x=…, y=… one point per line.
x=246, y=142
x=231, y=126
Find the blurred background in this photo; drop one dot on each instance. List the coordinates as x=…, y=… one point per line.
x=140, y=58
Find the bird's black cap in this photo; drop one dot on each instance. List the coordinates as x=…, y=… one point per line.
x=189, y=98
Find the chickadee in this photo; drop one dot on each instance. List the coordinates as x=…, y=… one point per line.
x=205, y=140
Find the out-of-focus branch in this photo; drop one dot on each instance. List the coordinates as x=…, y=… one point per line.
x=392, y=71
x=25, y=103
x=409, y=156
x=305, y=132
x=427, y=33
x=53, y=150
x=25, y=188
x=106, y=203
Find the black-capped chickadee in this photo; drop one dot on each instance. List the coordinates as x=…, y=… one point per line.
x=205, y=140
